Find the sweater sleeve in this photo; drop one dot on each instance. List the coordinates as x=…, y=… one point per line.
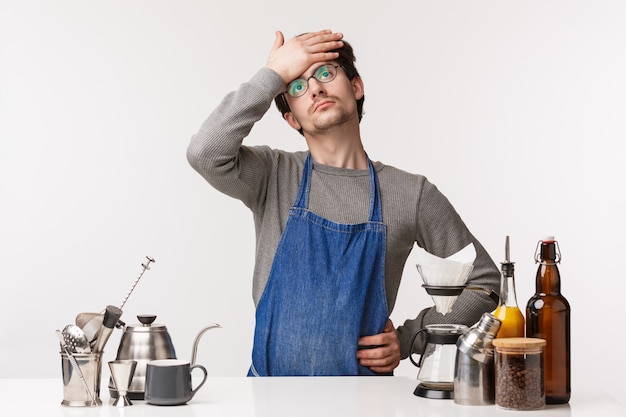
x=216, y=151
x=442, y=232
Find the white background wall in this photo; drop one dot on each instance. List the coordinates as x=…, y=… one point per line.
x=515, y=109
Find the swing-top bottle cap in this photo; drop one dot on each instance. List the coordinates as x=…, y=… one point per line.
x=547, y=249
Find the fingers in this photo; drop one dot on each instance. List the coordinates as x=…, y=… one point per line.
x=386, y=337
x=322, y=41
x=381, y=359
x=389, y=327
x=291, y=58
x=379, y=355
x=279, y=41
x=385, y=357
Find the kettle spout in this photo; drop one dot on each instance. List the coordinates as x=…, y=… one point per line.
x=197, y=341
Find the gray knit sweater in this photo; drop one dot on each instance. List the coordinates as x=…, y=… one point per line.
x=266, y=180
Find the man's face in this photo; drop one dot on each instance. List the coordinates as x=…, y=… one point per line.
x=324, y=105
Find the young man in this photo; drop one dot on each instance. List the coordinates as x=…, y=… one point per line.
x=333, y=228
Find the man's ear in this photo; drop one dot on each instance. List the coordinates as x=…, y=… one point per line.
x=358, y=88
x=291, y=120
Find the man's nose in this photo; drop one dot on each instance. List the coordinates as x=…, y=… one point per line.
x=315, y=87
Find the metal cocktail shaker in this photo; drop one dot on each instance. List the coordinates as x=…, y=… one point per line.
x=474, y=374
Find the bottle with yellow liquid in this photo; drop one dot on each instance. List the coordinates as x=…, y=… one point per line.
x=510, y=316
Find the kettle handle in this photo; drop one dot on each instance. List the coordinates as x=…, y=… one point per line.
x=418, y=364
x=197, y=340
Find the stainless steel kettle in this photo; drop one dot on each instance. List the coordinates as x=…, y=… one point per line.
x=144, y=342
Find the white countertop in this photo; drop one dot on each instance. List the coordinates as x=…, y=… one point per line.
x=288, y=396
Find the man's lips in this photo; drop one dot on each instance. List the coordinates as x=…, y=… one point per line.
x=321, y=104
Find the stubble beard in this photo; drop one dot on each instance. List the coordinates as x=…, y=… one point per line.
x=328, y=122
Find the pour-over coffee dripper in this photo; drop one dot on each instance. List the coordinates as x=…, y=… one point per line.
x=445, y=278
x=444, y=283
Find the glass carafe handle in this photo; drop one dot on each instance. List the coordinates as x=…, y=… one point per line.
x=418, y=364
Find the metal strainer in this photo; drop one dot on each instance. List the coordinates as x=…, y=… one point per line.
x=75, y=339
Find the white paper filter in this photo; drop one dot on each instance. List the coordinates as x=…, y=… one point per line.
x=446, y=272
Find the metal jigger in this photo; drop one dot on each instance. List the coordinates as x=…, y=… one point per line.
x=122, y=371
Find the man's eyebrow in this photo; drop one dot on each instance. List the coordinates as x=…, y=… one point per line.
x=321, y=64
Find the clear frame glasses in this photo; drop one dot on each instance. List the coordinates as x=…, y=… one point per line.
x=324, y=74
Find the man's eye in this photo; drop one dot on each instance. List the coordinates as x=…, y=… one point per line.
x=296, y=87
x=323, y=73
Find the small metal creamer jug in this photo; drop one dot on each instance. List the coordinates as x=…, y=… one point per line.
x=474, y=374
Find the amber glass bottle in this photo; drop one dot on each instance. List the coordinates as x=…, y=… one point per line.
x=548, y=317
x=508, y=312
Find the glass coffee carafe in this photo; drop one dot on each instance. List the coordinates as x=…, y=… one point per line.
x=436, y=363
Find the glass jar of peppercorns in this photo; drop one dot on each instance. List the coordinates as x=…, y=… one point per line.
x=519, y=373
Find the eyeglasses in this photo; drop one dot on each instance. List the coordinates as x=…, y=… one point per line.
x=324, y=74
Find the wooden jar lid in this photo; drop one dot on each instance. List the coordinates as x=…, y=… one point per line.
x=519, y=343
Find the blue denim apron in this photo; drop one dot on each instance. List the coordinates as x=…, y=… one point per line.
x=325, y=290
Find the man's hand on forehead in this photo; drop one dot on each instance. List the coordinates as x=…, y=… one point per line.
x=292, y=58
